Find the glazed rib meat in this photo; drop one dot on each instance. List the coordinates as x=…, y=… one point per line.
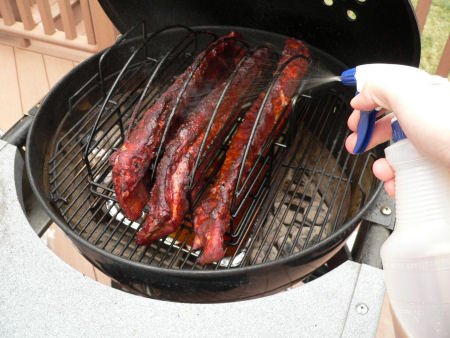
x=130, y=163
x=213, y=214
x=169, y=200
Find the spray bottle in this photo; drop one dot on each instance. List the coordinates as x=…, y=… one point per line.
x=416, y=257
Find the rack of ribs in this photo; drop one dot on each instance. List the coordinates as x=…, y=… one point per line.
x=169, y=198
x=212, y=216
x=131, y=162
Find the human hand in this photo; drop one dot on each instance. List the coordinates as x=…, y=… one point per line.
x=421, y=103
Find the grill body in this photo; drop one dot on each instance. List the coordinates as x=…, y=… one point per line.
x=321, y=115
x=314, y=139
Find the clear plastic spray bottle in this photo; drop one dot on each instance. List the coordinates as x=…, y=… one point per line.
x=416, y=257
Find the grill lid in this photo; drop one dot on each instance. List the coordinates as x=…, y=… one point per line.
x=354, y=31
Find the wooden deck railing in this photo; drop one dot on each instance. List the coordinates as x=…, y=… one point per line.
x=78, y=24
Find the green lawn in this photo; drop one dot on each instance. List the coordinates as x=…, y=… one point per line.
x=435, y=34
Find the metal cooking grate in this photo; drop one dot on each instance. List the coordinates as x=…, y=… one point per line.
x=307, y=188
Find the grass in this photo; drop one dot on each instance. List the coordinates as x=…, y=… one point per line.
x=435, y=34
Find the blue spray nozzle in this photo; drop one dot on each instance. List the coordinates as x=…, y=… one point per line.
x=348, y=77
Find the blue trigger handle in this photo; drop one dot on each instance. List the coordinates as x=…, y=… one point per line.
x=366, y=125
x=367, y=119
x=365, y=129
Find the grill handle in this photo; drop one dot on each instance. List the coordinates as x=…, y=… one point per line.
x=377, y=224
x=17, y=134
x=33, y=209
x=369, y=240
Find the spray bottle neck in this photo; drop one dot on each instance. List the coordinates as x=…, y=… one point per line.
x=397, y=131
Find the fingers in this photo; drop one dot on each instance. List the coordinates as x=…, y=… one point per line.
x=389, y=186
x=365, y=101
x=382, y=132
x=353, y=120
x=382, y=170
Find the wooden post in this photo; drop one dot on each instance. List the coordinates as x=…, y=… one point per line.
x=444, y=65
x=67, y=18
x=25, y=14
x=7, y=10
x=105, y=33
x=422, y=9
x=87, y=19
x=46, y=16
x=15, y=9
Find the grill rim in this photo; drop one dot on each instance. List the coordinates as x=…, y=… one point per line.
x=317, y=250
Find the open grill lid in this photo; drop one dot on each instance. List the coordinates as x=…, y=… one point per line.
x=353, y=31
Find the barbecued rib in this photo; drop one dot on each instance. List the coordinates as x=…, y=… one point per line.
x=169, y=196
x=131, y=161
x=213, y=215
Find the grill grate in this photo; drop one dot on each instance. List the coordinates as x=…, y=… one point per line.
x=300, y=193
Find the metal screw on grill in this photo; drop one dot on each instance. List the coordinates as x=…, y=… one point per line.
x=362, y=308
x=386, y=211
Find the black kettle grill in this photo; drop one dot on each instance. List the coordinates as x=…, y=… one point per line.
x=302, y=209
